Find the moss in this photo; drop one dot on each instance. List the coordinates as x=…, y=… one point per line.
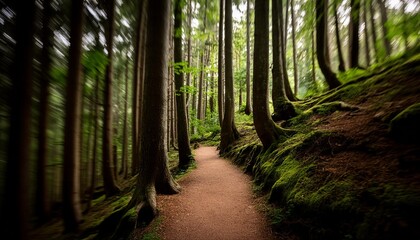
x=405, y=126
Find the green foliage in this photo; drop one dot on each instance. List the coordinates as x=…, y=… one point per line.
x=208, y=128
x=94, y=63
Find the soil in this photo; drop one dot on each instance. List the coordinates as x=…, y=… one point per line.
x=216, y=202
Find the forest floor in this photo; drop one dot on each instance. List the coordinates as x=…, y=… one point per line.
x=216, y=202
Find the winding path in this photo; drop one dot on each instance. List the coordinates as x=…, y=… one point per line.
x=216, y=202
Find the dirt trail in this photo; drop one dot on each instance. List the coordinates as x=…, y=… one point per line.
x=216, y=202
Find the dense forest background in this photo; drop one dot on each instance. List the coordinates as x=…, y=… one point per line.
x=83, y=104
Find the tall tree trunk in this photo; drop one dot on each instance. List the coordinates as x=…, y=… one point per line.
x=185, y=155
x=95, y=144
x=373, y=30
x=384, y=19
x=229, y=133
x=248, y=105
x=295, y=66
x=341, y=64
x=354, y=33
x=313, y=71
x=220, y=85
x=267, y=131
x=321, y=12
x=188, y=83
x=154, y=175
x=283, y=41
x=42, y=204
x=283, y=109
x=200, y=108
x=366, y=32
x=72, y=214
x=17, y=177
x=110, y=184
x=124, y=160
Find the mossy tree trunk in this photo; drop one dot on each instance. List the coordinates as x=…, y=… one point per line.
x=154, y=174
x=229, y=133
x=267, y=131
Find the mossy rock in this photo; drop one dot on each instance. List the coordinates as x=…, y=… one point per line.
x=405, y=126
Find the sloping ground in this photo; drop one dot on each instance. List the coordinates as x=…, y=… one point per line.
x=343, y=175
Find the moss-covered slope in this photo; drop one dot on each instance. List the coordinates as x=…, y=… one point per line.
x=343, y=175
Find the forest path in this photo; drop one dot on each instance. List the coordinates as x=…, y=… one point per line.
x=216, y=202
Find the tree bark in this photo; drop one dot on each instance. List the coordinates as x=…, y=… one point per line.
x=267, y=131
x=110, y=184
x=124, y=160
x=72, y=214
x=154, y=174
x=229, y=133
x=330, y=77
x=17, y=177
x=42, y=202
x=248, y=105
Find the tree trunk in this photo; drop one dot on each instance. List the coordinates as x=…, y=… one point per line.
x=220, y=87
x=384, y=19
x=229, y=133
x=267, y=131
x=154, y=174
x=124, y=160
x=295, y=66
x=373, y=30
x=341, y=64
x=72, y=214
x=354, y=33
x=330, y=77
x=200, y=108
x=17, y=177
x=110, y=184
x=42, y=204
x=185, y=155
x=283, y=109
x=248, y=105
x=366, y=32
x=283, y=41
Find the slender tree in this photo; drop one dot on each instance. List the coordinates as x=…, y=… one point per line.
x=110, y=184
x=370, y=3
x=267, y=131
x=71, y=176
x=17, y=205
x=283, y=108
x=294, y=47
x=321, y=23
x=354, y=33
x=384, y=27
x=229, y=133
x=248, y=105
x=220, y=79
x=185, y=155
x=41, y=201
x=341, y=64
x=154, y=175
x=124, y=160
x=366, y=33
